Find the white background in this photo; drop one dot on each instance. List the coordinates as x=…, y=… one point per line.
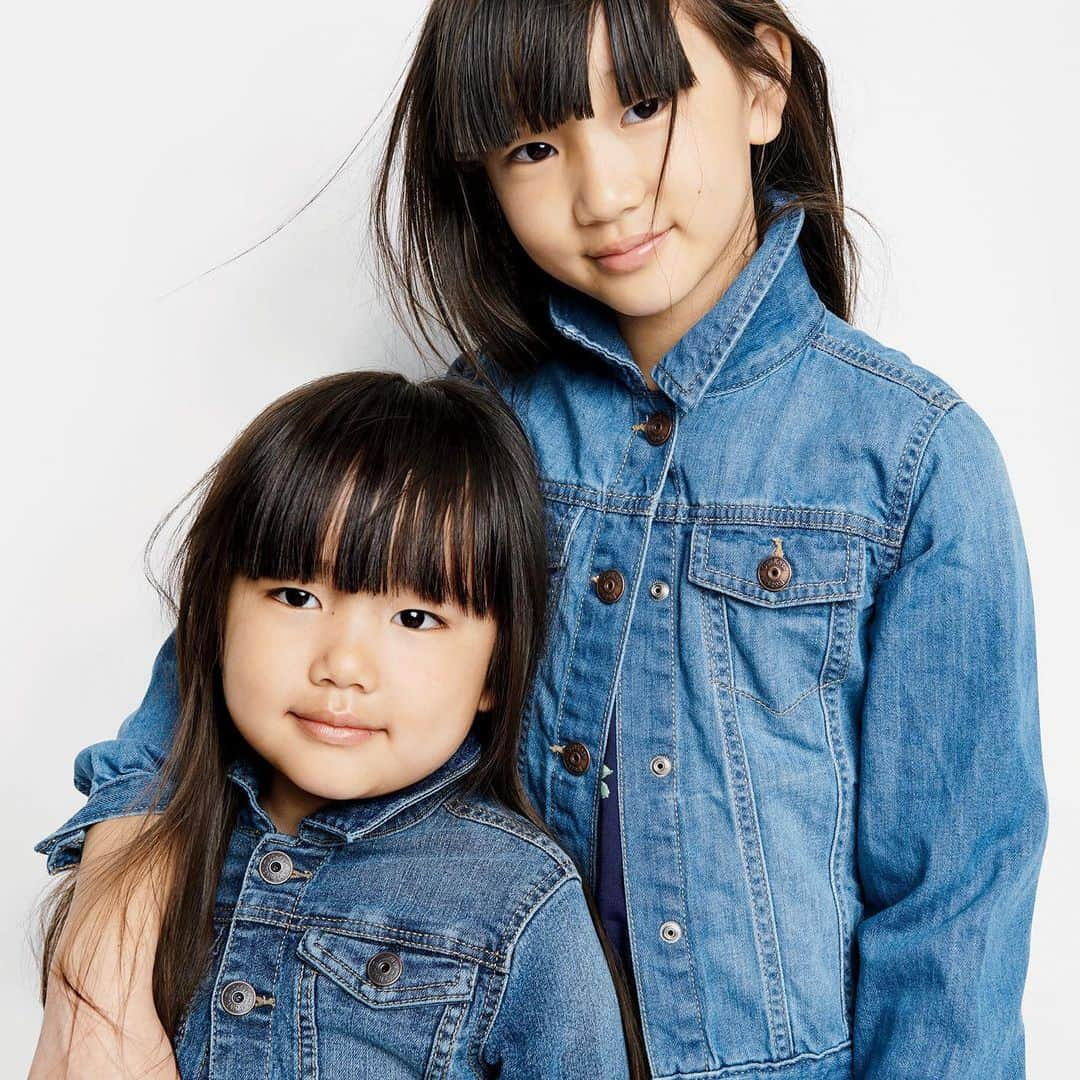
x=143, y=144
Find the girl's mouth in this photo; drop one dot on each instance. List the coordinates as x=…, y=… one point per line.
x=334, y=734
x=620, y=258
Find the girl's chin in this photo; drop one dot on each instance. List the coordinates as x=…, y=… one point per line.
x=319, y=782
x=642, y=300
x=652, y=290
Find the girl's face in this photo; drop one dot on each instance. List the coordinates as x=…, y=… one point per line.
x=587, y=188
x=349, y=695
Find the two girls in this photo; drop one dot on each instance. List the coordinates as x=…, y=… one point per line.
x=786, y=717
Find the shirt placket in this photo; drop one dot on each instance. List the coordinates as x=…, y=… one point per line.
x=613, y=569
x=247, y=991
x=661, y=932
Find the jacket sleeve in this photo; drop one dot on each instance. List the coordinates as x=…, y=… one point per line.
x=951, y=798
x=118, y=775
x=558, y=1017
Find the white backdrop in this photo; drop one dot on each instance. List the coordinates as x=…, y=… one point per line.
x=144, y=144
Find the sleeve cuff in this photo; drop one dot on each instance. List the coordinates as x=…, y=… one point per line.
x=127, y=795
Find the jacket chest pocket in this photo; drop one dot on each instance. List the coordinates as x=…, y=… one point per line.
x=376, y=1010
x=779, y=607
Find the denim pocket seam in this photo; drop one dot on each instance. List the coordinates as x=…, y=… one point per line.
x=787, y=708
x=844, y=773
x=307, y=1032
x=707, y=576
x=397, y=997
x=369, y=931
x=753, y=584
x=316, y=945
x=747, y=830
x=442, y=1047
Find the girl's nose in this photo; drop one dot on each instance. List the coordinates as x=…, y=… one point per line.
x=346, y=664
x=608, y=183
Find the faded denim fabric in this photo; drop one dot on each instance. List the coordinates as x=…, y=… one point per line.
x=833, y=874
x=425, y=933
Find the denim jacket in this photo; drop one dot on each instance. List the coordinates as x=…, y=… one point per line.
x=793, y=579
x=426, y=933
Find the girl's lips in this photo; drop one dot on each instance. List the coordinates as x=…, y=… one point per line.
x=334, y=734
x=634, y=258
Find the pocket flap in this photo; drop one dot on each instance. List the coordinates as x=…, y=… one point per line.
x=826, y=565
x=384, y=973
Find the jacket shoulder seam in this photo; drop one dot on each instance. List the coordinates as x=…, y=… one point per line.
x=876, y=364
x=460, y=808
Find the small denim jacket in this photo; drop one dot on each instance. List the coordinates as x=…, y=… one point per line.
x=426, y=933
x=793, y=578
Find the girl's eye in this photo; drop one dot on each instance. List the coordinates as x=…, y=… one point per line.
x=415, y=619
x=295, y=598
x=533, y=151
x=643, y=110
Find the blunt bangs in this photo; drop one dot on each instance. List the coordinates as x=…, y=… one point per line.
x=376, y=484
x=508, y=67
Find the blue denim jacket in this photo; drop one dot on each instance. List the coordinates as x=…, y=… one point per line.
x=426, y=933
x=794, y=578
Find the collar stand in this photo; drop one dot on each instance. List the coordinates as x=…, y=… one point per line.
x=354, y=819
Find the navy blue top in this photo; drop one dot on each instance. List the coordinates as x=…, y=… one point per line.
x=610, y=892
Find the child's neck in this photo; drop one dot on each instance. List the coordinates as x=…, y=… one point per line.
x=288, y=804
x=651, y=337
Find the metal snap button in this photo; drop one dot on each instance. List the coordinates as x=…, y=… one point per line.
x=384, y=968
x=658, y=428
x=609, y=586
x=774, y=572
x=660, y=765
x=238, y=998
x=671, y=932
x=659, y=590
x=576, y=758
x=275, y=867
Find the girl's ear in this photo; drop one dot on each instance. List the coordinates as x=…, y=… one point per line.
x=768, y=96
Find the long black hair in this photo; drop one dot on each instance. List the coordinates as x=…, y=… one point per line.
x=483, y=70
x=429, y=487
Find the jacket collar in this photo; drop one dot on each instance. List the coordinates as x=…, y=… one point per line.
x=764, y=317
x=356, y=818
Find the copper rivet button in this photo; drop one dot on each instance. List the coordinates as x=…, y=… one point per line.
x=238, y=998
x=576, y=758
x=658, y=428
x=774, y=573
x=660, y=765
x=670, y=932
x=609, y=586
x=659, y=590
x=384, y=968
x=275, y=867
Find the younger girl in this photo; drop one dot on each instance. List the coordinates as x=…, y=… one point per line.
x=365, y=891
x=786, y=718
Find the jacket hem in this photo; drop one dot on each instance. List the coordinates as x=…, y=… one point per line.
x=831, y=1064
